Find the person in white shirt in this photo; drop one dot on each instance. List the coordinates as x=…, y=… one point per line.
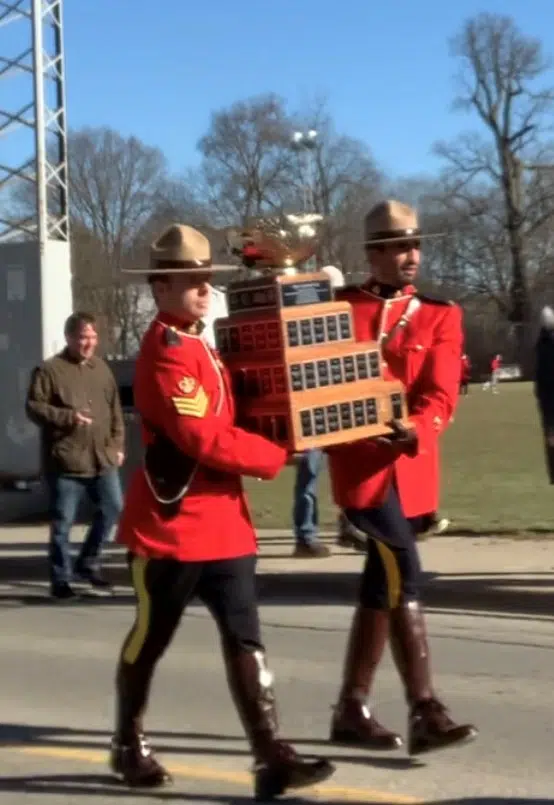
x=217, y=310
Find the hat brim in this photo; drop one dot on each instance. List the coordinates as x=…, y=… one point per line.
x=399, y=238
x=213, y=269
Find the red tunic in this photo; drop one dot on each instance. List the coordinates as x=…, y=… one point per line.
x=422, y=342
x=183, y=391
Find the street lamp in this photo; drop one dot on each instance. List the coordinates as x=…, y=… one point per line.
x=305, y=139
x=305, y=142
x=304, y=223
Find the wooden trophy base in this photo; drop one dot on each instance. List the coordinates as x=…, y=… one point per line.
x=299, y=375
x=309, y=422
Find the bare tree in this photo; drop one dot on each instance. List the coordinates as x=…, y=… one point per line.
x=181, y=198
x=500, y=82
x=246, y=159
x=115, y=185
x=251, y=171
x=345, y=183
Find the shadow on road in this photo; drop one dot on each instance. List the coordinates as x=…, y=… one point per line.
x=96, y=785
x=104, y=785
x=190, y=744
x=23, y=573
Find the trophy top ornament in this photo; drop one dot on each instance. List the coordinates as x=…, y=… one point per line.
x=275, y=245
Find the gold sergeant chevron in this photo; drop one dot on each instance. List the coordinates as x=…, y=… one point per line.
x=196, y=405
x=299, y=376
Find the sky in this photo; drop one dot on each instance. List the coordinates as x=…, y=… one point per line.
x=158, y=70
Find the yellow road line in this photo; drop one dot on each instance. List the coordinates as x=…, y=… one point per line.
x=211, y=774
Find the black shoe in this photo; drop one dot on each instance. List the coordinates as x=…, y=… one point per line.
x=62, y=591
x=313, y=550
x=94, y=581
x=352, y=541
x=349, y=536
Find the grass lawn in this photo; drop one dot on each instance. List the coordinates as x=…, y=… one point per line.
x=494, y=474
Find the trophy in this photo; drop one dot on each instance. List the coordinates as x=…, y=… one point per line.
x=299, y=376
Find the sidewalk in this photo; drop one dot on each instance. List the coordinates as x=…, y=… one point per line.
x=441, y=555
x=472, y=573
x=461, y=573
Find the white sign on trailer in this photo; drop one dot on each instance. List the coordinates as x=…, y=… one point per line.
x=509, y=372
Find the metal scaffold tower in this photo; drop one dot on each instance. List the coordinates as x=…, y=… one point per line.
x=33, y=144
x=35, y=272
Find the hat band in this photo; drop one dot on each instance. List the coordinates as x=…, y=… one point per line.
x=176, y=264
x=394, y=234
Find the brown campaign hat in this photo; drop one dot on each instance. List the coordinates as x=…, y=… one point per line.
x=392, y=221
x=180, y=249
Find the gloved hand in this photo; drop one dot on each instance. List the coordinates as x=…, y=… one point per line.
x=402, y=440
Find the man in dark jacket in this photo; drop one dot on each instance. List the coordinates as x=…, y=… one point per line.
x=73, y=398
x=544, y=384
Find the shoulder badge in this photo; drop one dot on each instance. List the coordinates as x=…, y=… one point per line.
x=171, y=337
x=434, y=300
x=187, y=385
x=191, y=399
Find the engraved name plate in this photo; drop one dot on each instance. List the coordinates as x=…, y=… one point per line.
x=309, y=292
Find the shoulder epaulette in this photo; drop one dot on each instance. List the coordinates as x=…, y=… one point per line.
x=171, y=337
x=434, y=300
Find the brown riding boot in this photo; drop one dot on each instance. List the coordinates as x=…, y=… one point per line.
x=429, y=724
x=277, y=766
x=353, y=723
x=131, y=757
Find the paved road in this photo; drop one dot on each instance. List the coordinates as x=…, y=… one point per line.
x=56, y=701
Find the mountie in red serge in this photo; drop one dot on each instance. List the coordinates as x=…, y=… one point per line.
x=421, y=340
x=191, y=509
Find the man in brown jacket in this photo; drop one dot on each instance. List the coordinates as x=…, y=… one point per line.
x=73, y=398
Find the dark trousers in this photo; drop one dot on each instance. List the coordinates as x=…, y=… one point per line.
x=546, y=406
x=392, y=571
x=164, y=587
x=66, y=493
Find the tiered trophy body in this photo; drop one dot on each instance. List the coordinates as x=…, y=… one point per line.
x=299, y=376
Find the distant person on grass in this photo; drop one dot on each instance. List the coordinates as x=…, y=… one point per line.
x=465, y=374
x=492, y=383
